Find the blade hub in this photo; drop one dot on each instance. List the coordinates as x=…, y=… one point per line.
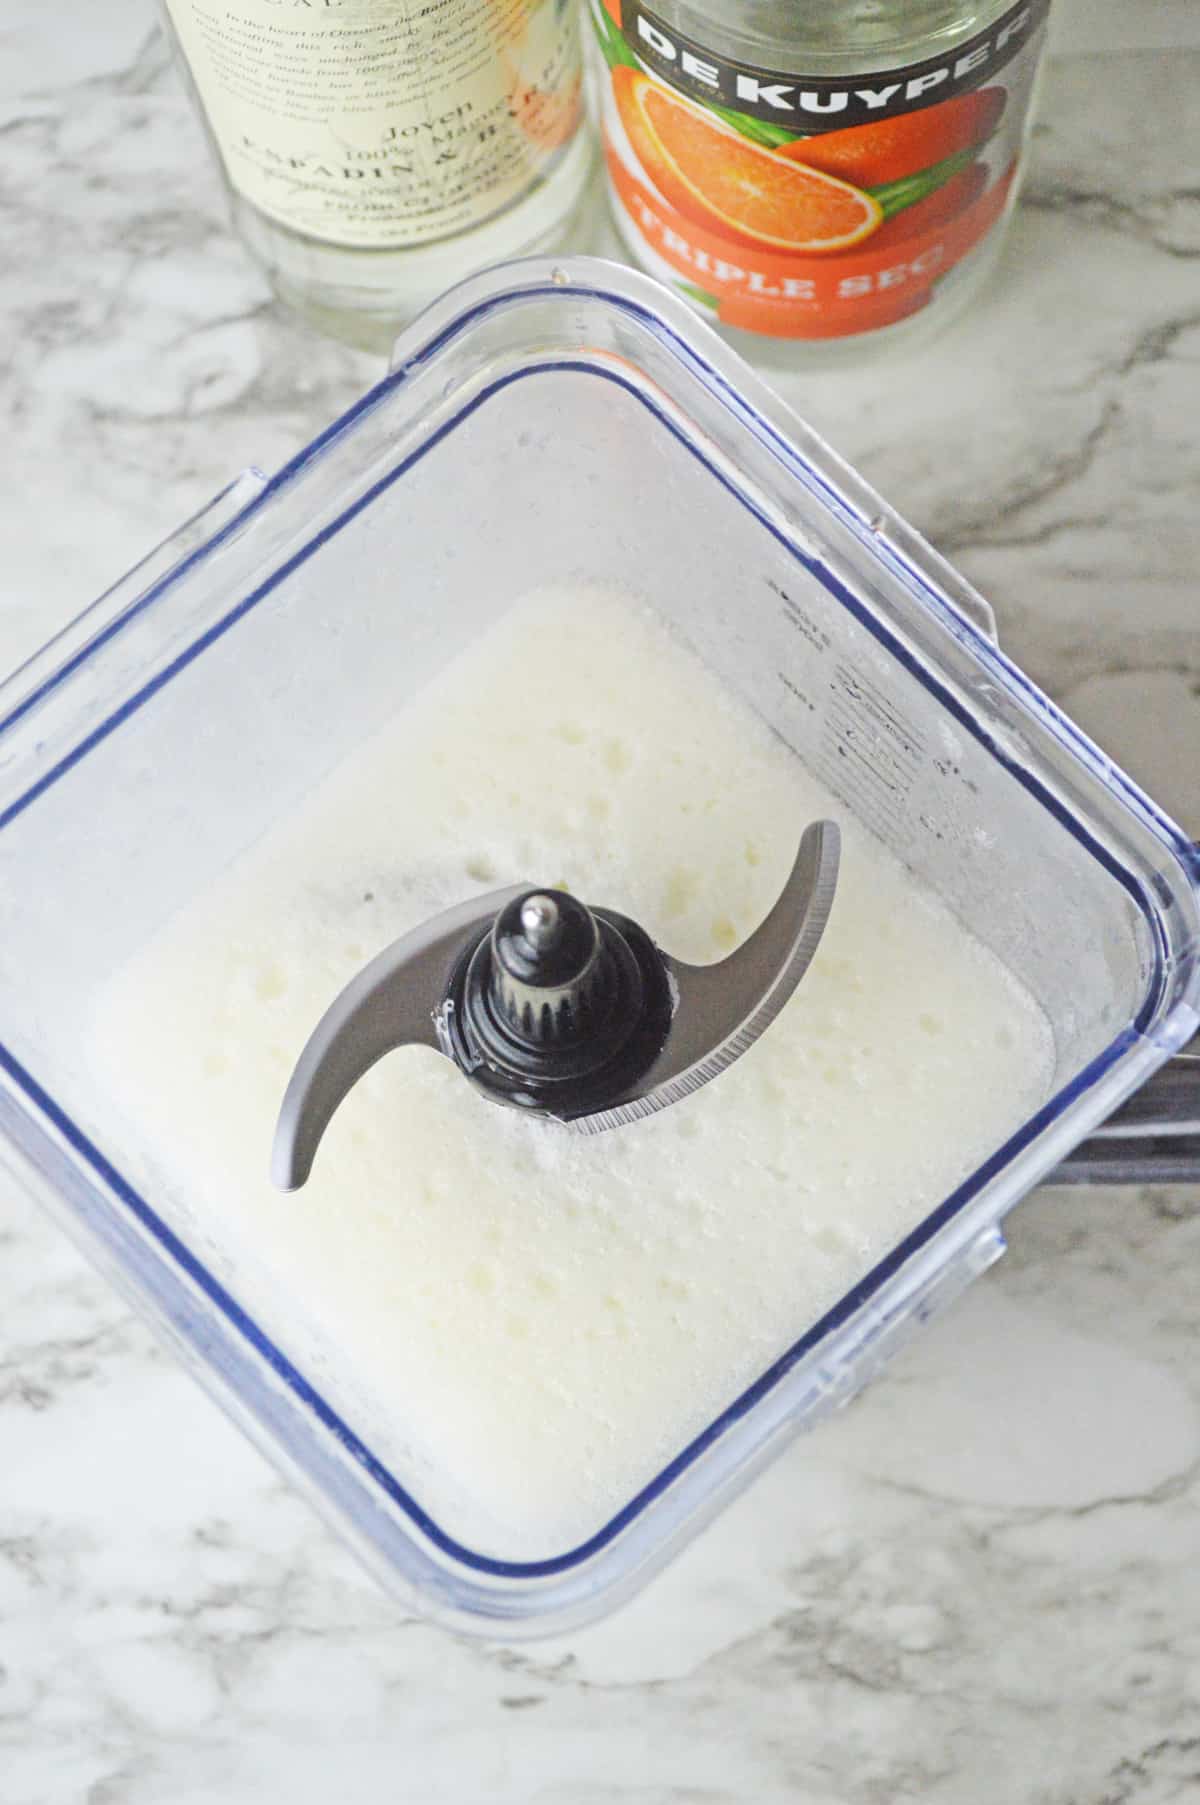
x=560, y=1019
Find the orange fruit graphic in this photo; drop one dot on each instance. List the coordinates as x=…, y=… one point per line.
x=718, y=179
x=888, y=149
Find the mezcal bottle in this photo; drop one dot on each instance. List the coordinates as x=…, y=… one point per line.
x=375, y=151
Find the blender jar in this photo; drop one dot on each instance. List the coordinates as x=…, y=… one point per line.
x=548, y=424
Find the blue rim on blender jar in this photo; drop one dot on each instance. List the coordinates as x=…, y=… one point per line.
x=547, y=423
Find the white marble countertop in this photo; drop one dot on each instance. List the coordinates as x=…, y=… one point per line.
x=981, y=1585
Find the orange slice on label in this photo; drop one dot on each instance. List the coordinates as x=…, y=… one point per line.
x=721, y=180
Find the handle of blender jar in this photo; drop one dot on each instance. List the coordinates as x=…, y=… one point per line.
x=1154, y=1138
x=1166, y=1159
x=1167, y=1104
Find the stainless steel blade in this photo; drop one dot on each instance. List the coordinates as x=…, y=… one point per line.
x=393, y=1002
x=722, y=1009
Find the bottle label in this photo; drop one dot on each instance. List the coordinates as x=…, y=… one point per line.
x=383, y=123
x=809, y=207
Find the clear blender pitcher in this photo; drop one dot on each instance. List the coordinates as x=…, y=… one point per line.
x=549, y=423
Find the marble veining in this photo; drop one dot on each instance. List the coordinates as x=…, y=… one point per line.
x=979, y=1585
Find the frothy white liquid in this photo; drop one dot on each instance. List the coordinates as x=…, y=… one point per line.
x=527, y=1324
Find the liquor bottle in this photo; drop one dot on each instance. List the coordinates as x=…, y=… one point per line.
x=375, y=151
x=808, y=172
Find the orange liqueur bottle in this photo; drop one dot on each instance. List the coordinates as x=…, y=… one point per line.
x=807, y=172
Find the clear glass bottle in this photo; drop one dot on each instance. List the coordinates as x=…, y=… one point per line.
x=815, y=174
x=376, y=151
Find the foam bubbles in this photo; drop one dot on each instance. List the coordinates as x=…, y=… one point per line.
x=524, y=1323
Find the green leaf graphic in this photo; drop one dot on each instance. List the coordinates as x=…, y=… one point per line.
x=759, y=131
x=893, y=197
x=700, y=295
x=612, y=42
